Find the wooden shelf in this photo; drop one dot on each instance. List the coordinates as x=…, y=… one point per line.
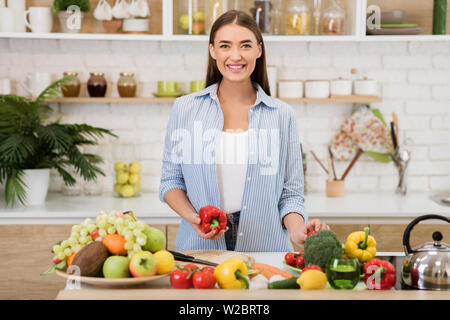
x=332, y=99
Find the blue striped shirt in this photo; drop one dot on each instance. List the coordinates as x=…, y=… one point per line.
x=274, y=184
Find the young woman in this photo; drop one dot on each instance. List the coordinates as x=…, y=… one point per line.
x=235, y=147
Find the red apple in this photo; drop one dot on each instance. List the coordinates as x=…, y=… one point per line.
x=143, y=264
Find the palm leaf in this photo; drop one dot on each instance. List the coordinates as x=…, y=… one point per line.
x=16, y=148
x=15, y=187
x=55, y=136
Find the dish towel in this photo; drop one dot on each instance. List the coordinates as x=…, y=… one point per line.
x=364, y=129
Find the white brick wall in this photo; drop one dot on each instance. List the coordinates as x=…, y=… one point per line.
x=414, y=80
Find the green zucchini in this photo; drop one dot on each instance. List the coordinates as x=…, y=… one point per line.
x=290, y=283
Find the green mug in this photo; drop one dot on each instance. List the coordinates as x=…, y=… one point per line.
x=197, y=85
x=168, y=86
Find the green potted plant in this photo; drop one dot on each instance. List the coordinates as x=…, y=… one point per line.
x=70, y=14
x=31, y=144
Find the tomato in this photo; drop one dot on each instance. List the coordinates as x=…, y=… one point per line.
x=191, y=266
x=311, y=233
x=181, y=278
x=302, y=253
x=208, y=269
x=94, y=234
x=290, y=258
x=56, y=260
x=203, y=280
x=312, y=267
x=300, y=262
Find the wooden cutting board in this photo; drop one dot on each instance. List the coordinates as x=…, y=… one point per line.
x=217, y=256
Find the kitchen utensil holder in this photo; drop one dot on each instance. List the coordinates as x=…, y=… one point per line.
x=335, y=188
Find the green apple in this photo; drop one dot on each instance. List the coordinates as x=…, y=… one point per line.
x=117, y=188
x=120, y=166
x=135, y=167
x=184, y=22
x=116, y=267
x=122, y=177
x=156, y=239
x=134, y=178
x=143, y=264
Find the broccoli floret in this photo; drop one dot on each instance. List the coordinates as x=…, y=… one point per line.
x=320, y=247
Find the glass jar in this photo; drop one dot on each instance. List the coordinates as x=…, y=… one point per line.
x=333, y=20
x=191, y=17
x=261, y=12
x=71, y=87
x=298, y=18
x=214, y=9
x=97, y=84
x=127, y=85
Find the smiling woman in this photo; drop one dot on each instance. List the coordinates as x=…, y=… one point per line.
x=265, y=208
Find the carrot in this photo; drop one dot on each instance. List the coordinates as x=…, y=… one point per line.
x=268, y=271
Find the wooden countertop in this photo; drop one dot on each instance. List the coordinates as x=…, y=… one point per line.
x=218, y=294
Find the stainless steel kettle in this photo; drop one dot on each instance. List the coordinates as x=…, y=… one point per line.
x=427, y=266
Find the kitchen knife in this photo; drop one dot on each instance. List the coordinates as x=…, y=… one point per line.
x=183, y=257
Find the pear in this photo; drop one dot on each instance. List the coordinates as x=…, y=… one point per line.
x=156, y=239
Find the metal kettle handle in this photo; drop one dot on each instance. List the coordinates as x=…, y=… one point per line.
x=406, y=244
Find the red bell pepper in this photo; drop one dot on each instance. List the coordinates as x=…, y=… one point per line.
x=212, y=218
x=379, y=274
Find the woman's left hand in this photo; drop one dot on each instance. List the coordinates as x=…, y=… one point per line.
x=298, y=235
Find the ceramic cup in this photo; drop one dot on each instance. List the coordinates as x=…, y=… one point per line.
x=6, y=20
x=290, y=89
x=197, y=85
x=5, y=86
x=165, y=86
x=19, y=8
x=36, y=82
x=40, y=19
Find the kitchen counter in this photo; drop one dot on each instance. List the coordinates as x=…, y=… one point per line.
x=361, y=208
x=161, y=290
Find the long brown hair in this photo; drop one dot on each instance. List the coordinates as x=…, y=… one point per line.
x=242, y=19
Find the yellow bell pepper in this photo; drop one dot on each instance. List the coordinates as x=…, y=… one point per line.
x=232, y=274
x=360, y=245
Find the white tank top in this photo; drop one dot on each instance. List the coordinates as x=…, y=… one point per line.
x=231, y=162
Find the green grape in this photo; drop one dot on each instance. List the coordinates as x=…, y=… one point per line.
x=83, y=233
x=57, y=249
x=119, y=229
x=67, y=251
x=129, y=236
x=132, y=225
x=130, y=254
x=111, y=219
x=102, y=232
x=141, y=241
x=76, y=248
x=64, y=244
x=91, y=228
x=140, y=225
x=111, y=230
x=76, y=228
x=101, y=223
x=136, y=232
x=83, y=240
x=136, y=247
x=61, y=256
x=72, y=241
x=119, y=221
x=88, y=221
x=128, y=245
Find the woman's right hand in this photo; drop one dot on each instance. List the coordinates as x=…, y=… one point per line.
x=195, y=221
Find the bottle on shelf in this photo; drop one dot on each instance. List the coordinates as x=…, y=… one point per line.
x=214, y=9
x=261, y=12
x=72, y=87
